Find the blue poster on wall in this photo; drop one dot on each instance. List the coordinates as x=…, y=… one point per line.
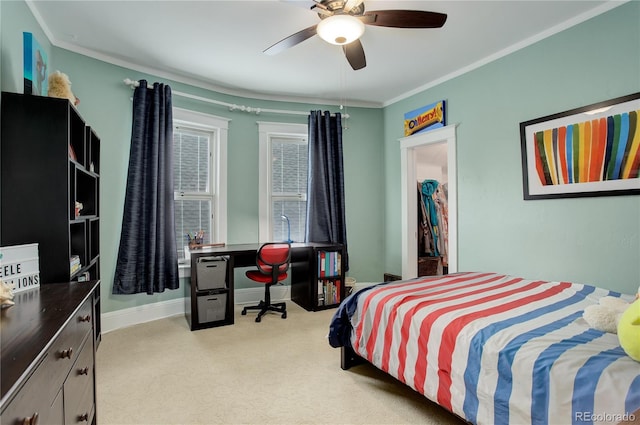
x=35, y=66
x=425, y=118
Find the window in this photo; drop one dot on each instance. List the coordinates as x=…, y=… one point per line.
x=283, y=181
x=199, y=175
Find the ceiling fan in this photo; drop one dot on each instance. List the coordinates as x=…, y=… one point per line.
x=343, y=22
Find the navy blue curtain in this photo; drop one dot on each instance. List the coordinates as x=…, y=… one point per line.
x=325, y=186
x=147, y=257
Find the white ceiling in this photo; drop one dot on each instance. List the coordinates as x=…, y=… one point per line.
x=218, y=44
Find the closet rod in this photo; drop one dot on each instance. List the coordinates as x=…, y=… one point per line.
x=231, y=106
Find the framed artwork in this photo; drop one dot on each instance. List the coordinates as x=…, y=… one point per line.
x=425, y=118
x=35, y=66
x=589, y=151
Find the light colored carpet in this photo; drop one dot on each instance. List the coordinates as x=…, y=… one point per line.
x=274, y=372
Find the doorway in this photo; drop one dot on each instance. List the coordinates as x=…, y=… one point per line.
x=410, y=148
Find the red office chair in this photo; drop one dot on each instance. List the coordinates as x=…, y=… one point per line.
x=273, y=260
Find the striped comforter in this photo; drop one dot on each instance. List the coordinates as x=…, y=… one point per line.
x=496, y=349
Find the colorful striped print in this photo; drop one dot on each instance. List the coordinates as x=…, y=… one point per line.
x=591, y=151
x=472, y=373
x=497, y=349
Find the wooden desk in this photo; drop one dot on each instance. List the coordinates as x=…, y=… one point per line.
x=303, y=271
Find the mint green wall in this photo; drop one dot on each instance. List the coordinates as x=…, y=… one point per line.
x=554, y=239
x=106, y=106
x=16, y=18
x=588, y=240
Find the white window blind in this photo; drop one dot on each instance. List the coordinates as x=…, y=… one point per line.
x=193, y=175
x=283, y=181
x=199, y=166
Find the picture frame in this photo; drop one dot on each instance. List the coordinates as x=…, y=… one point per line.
x=593, y=150
x=426, y=118
x=35, y=66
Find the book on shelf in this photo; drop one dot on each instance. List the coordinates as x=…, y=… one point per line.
x=329, y=263
x=329, y=291
x=74, y=264
x=321, y=269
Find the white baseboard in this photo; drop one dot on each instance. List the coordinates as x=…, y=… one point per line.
x=360, y=285
x=146, y=313
x=254, y=295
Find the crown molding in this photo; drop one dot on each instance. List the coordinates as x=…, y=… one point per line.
x=609, y=5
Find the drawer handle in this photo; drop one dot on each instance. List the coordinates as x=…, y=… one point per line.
x=66, y=354
x=32, y=420
x=83, y=371
x=86, y=318
x=83, y=418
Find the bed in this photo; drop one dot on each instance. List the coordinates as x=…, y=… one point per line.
x=492, y=348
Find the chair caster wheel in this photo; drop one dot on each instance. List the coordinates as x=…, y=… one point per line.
x=258, y=319
x=244, y=312
x=284, y=315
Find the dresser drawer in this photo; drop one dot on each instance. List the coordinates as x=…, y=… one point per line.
x=65, y=349
x=29, y=407
x=79, y=388
x=47, y=339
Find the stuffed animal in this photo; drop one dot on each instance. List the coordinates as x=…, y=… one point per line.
x=6, y=295
x=605, y=315
x=629, y=330
x=614, y=315
x=60, y=86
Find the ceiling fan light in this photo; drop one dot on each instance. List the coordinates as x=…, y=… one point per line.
x=340, y=29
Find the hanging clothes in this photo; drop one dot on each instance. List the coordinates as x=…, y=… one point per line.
x=425, y=237
x=429, y=187
x=442, y=208
x=433, y=220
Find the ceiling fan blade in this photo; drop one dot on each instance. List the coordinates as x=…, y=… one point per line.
x=407, y=18
x=350, y=4
x=355, y=55
x=291, y=41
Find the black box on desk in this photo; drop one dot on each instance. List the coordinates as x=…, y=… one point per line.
x=212, y=272
x=212, y=307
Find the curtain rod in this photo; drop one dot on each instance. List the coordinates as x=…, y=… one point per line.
x=231, y=106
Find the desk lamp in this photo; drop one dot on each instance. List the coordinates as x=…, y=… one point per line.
x=284, y=217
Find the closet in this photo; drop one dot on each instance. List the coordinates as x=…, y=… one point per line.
x=412, y=158
x=433, y=211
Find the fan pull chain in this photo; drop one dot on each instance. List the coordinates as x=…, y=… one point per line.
x=343, y=100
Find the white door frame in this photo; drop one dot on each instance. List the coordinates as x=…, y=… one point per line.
x=409, y=197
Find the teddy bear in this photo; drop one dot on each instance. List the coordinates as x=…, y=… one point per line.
x=6, y=295
x=614, y=315
x=60, y=86
x=605, y=315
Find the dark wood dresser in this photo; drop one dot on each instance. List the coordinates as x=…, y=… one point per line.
x=48, y=356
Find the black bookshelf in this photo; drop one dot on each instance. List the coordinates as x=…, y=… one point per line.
x=317, y=281
x=49, y=160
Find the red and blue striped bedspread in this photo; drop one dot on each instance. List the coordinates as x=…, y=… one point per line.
x=496, y=349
